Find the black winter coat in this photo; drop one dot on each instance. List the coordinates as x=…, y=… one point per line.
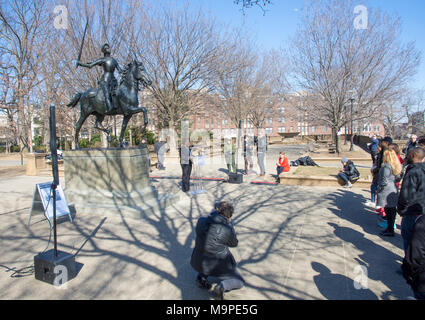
x=414, y=262
x=351, y=171
x=411, y=200
x=211, y=255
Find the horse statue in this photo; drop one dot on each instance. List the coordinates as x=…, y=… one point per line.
x=125, y=100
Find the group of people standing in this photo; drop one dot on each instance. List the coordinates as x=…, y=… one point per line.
x=398, y=186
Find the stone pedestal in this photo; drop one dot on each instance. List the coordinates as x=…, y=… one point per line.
x=35, y=163
x=113, y=180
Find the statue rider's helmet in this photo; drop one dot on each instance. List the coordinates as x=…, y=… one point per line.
x=106, y=48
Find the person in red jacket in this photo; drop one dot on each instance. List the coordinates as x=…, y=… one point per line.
x=282, y=165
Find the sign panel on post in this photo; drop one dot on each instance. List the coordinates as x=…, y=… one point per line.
x=44, y=192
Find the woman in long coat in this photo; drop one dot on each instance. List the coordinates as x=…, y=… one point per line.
x=387, y=189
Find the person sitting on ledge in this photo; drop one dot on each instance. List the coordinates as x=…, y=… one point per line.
x=282, y=165
x=348, y=173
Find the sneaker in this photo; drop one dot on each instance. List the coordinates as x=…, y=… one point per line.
x=370, y=204
x=348, y=185
x=383, y=225
x=219, y=292
x=203, y=283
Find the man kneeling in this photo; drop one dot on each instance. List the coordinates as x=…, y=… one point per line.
x=211, y=255
x=348, y=173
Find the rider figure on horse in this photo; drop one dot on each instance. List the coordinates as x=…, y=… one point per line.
x=108, y=82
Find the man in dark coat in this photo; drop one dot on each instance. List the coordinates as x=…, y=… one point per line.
x=411, y=144
x=411, y=202
x=160, y=148
x=373, y=148
x=348, y=173
x=414, y=262
x=186, y=162
x=211, y=255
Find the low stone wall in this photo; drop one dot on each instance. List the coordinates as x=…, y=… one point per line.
x=320, y=181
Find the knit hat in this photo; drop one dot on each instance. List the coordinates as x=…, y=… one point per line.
x=387, y=139
x=344, y=160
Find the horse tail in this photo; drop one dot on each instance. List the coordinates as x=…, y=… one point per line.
x=74, y=100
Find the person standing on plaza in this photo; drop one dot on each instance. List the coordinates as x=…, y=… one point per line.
x=413, y=266
x=411, y=203
x=230, y=154
x=160, y=148
x=411, y=144
x=248, y=151
x=261, y=151
x=282, y=165
x=383, y=145
x=211, y=255
x=373, y=148
x=387, y=190
x=186, y=162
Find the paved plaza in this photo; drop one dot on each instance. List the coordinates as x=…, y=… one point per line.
x=294, y=243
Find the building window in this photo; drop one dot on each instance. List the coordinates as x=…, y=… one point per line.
x=269, y=120
x=325, y=129
x=269, y=130
x=281, y=129
x=199, y=119
x=291, y=129
x=313, y=129
x=291, y=118
x=281, y=119
x=281, y=109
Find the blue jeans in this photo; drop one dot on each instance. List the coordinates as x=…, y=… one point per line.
x=373, y=190
x=407, y=225
x=344, y=177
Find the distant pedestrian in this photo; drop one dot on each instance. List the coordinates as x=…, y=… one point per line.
x=373, y=148
x=348, y=173
x=411, y=144
x=186, y=162
x=248, y=152
x=211, y=255
x=261, y=151
x=387, y=190
x=160, y=148
x=282, y=165
x=414, y=261
x=411, y=202
x=230, y=154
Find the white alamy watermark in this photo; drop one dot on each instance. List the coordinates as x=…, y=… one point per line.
x=61, y=279
x=361, y=277
x=61, y=18
x=361, y=19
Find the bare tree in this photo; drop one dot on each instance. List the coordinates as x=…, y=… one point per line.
x=178, y=50
x=336, y=62
x=23, y=26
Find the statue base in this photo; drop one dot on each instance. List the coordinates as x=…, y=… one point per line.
x=112, y=180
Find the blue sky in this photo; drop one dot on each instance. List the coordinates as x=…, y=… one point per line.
x=280, y=22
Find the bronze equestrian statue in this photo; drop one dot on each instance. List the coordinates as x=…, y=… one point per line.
x=110, y=98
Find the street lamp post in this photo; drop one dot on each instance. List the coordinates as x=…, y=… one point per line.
x=345, y=127
x=351, y=136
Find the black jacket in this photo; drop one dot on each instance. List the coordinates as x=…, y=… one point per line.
x=351, y=171
x=414, y=262
x=411, y=200
x=211, y=255
x=410, y=145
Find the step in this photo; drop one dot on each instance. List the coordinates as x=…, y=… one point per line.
x=320, y=181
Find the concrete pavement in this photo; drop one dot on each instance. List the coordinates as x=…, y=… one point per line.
x=294, y=243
